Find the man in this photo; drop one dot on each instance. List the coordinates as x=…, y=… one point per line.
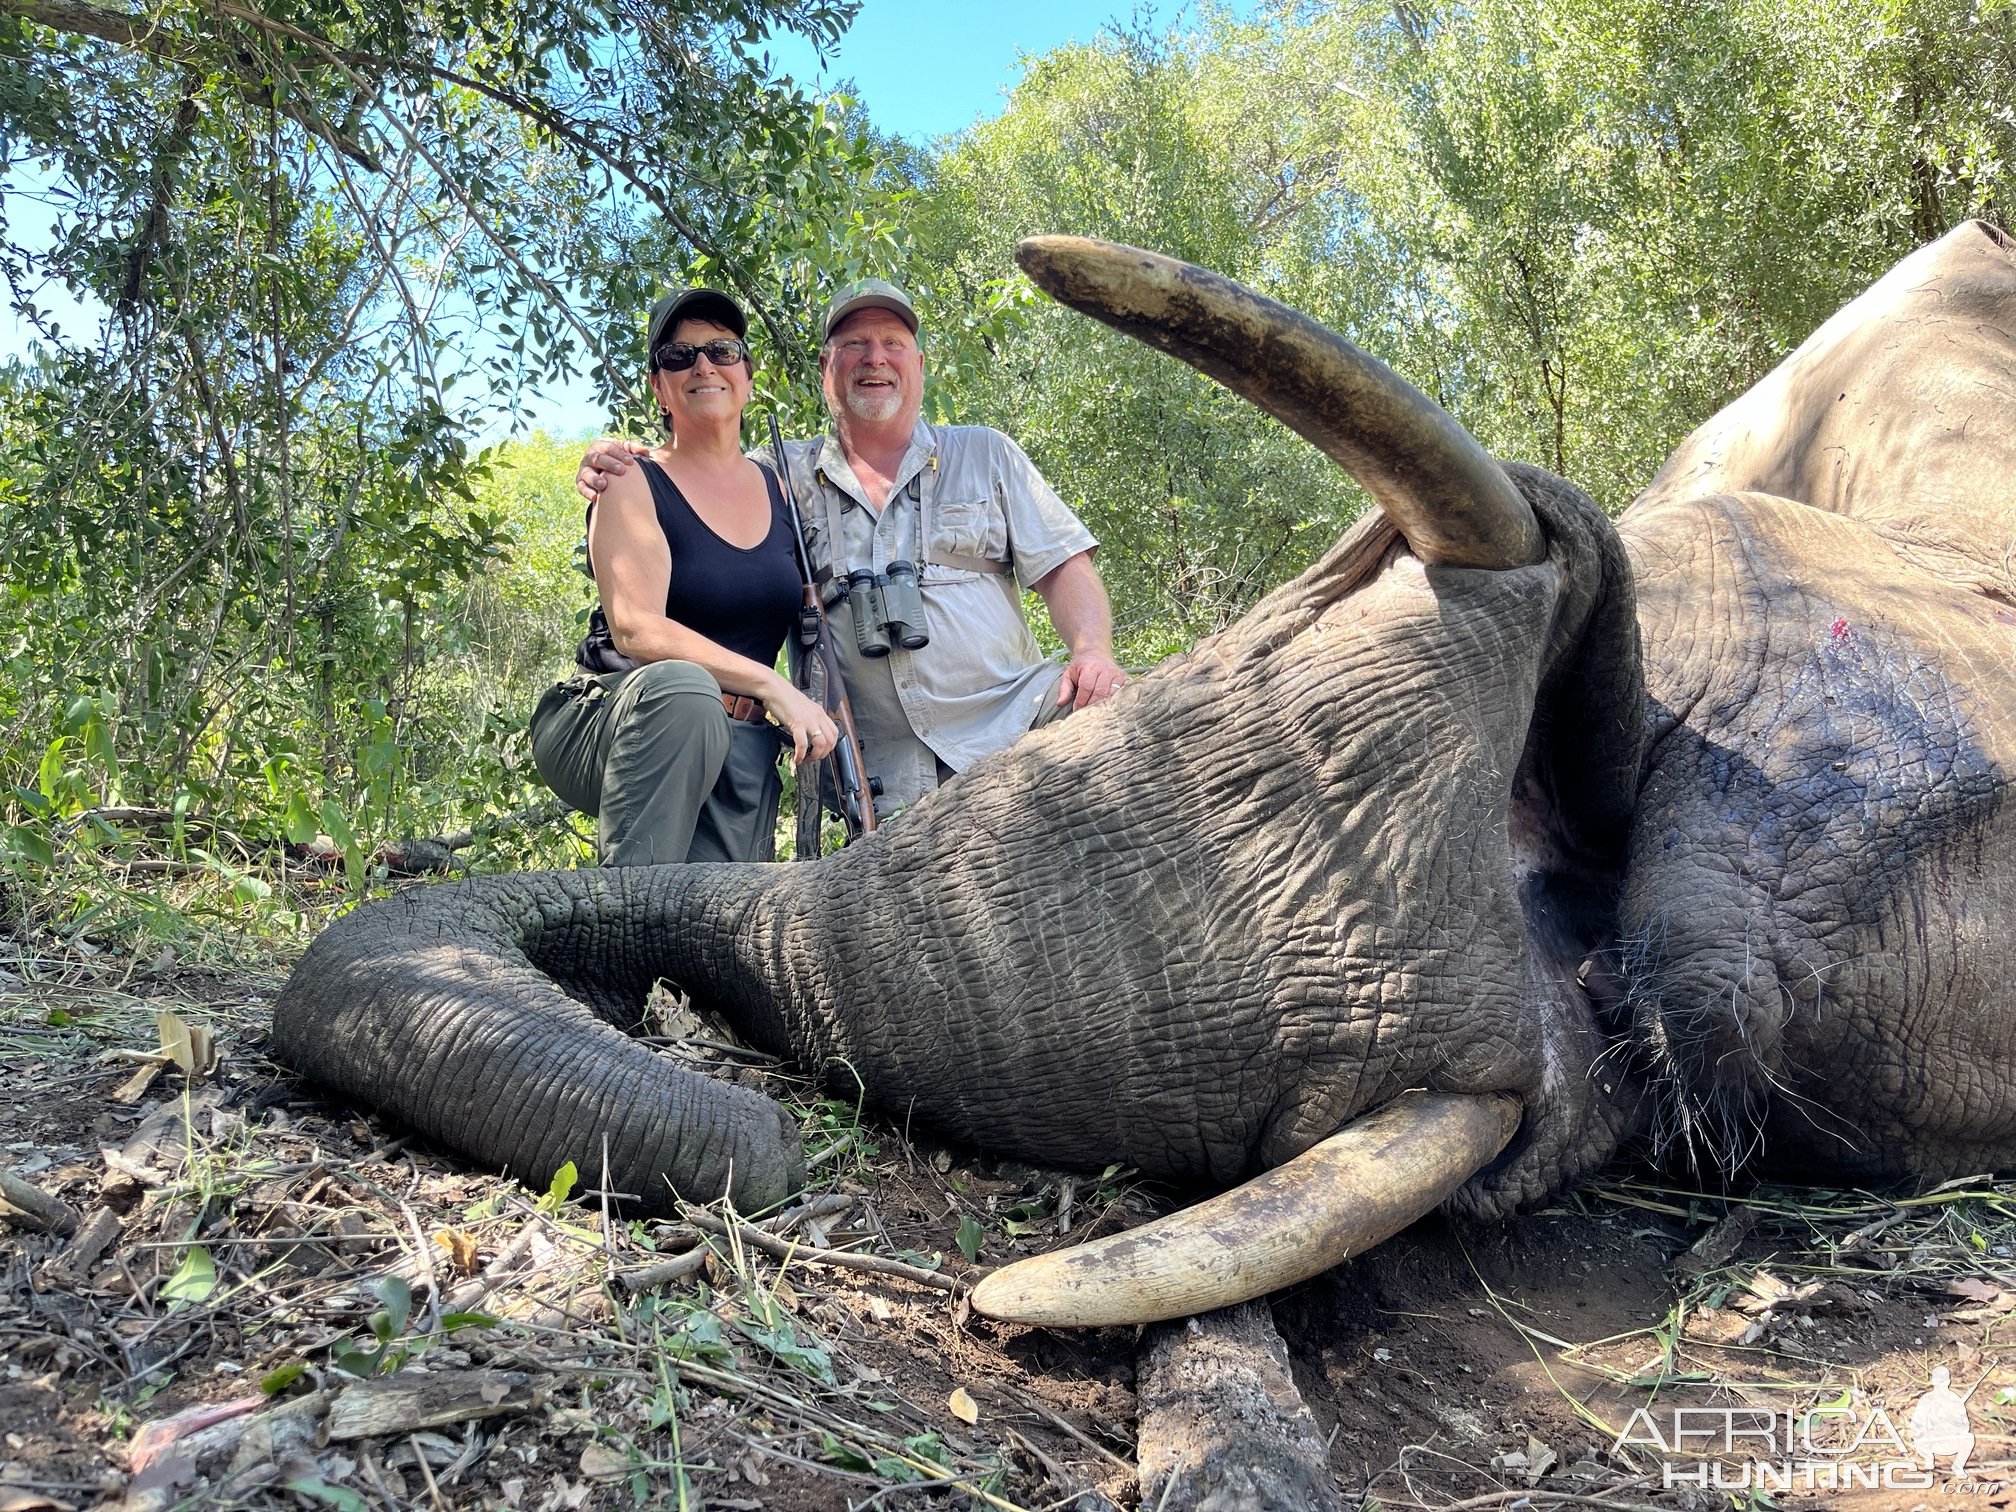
x=969, y=511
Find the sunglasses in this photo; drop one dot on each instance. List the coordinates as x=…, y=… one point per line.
x=677, y=356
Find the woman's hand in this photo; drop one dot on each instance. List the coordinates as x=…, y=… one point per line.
x=812, y=730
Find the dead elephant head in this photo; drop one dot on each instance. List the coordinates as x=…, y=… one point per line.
x=1410, y=853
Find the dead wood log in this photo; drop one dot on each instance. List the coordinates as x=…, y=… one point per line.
x=410, y=1402
x=26, y=1205
x=1222, y=1425
x=413, y=856
x=73, y=1262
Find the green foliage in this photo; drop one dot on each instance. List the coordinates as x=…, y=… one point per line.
x=386, y=1326
x=559, y=1189
x=194, y=1279
x=923, y=1453
x=1200, y=503
x=972, y=1234
x=279, y=1379
x=393, y=1342
x=1581, y=225
x=1633, y=211
x=253, y=573
x=397, y=710
x=258, y=583
x=768, y=1326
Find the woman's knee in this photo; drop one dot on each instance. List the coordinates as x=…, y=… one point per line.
x=668, y=683
x=666, y=706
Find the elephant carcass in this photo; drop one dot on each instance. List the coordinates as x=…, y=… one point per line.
x=1819, y=921
x=1372, y=840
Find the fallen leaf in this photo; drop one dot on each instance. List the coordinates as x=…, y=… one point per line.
x=30, y=1501
x=599, y=1462
x=1539, y=1460
x=163, y=1474
x=494, y=1391
x=1765, y=1290
x=963, y=1407
x=192, y=1047
x=135, y=1086
x=1716, y=1325
x=175, y=1042
x=1974, y=1289
x=193, y=1281
x=1718, y=1246
x=461, y=1250
x=1769, y=1297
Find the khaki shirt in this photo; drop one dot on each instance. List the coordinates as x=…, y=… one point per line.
x=981, y=682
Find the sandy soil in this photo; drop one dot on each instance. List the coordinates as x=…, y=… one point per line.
x=373, y=1324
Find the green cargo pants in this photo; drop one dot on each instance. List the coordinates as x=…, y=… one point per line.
x=658, y=762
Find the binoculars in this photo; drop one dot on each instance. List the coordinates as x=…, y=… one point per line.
x=887, y=610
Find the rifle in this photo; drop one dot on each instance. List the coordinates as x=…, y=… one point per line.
x=816, y=671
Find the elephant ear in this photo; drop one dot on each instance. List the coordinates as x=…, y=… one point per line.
x=1443, y=491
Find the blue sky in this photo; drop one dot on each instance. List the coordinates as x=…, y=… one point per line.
x=922, y=68
x=925, y=68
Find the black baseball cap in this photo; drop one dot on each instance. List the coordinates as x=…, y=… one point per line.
x=693, y=304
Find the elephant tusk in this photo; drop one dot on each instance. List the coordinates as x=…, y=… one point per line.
x=1444, y=492
x=1356, y=1189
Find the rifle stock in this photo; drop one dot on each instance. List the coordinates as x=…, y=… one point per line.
x=816, y=670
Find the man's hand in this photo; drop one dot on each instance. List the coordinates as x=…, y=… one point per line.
x=1084, y=622
x=1088, y=680
x=605, y=459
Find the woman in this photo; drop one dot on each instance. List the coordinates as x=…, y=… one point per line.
x=662, y=733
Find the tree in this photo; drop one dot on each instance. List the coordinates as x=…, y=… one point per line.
x=1637, y=209
x=1200, y=502
x=1580, y=225
x=239, y=520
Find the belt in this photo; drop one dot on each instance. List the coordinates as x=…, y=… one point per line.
x=741, y=706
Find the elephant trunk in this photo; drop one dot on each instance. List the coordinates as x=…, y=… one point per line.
x=1449, y=498
x=484, y=1014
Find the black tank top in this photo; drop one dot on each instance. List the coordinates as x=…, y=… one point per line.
x=743, y=599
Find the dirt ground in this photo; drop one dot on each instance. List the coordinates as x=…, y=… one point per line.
x=272, y=1300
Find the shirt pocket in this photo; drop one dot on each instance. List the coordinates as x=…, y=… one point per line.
x=968, y=528
x=812, y=526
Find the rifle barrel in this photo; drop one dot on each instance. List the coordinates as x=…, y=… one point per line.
x=850, y=766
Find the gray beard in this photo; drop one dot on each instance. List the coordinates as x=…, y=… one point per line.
x=873, y=411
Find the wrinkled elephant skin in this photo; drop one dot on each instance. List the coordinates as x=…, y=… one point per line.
x=1694, y=825
x=1819, y=923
